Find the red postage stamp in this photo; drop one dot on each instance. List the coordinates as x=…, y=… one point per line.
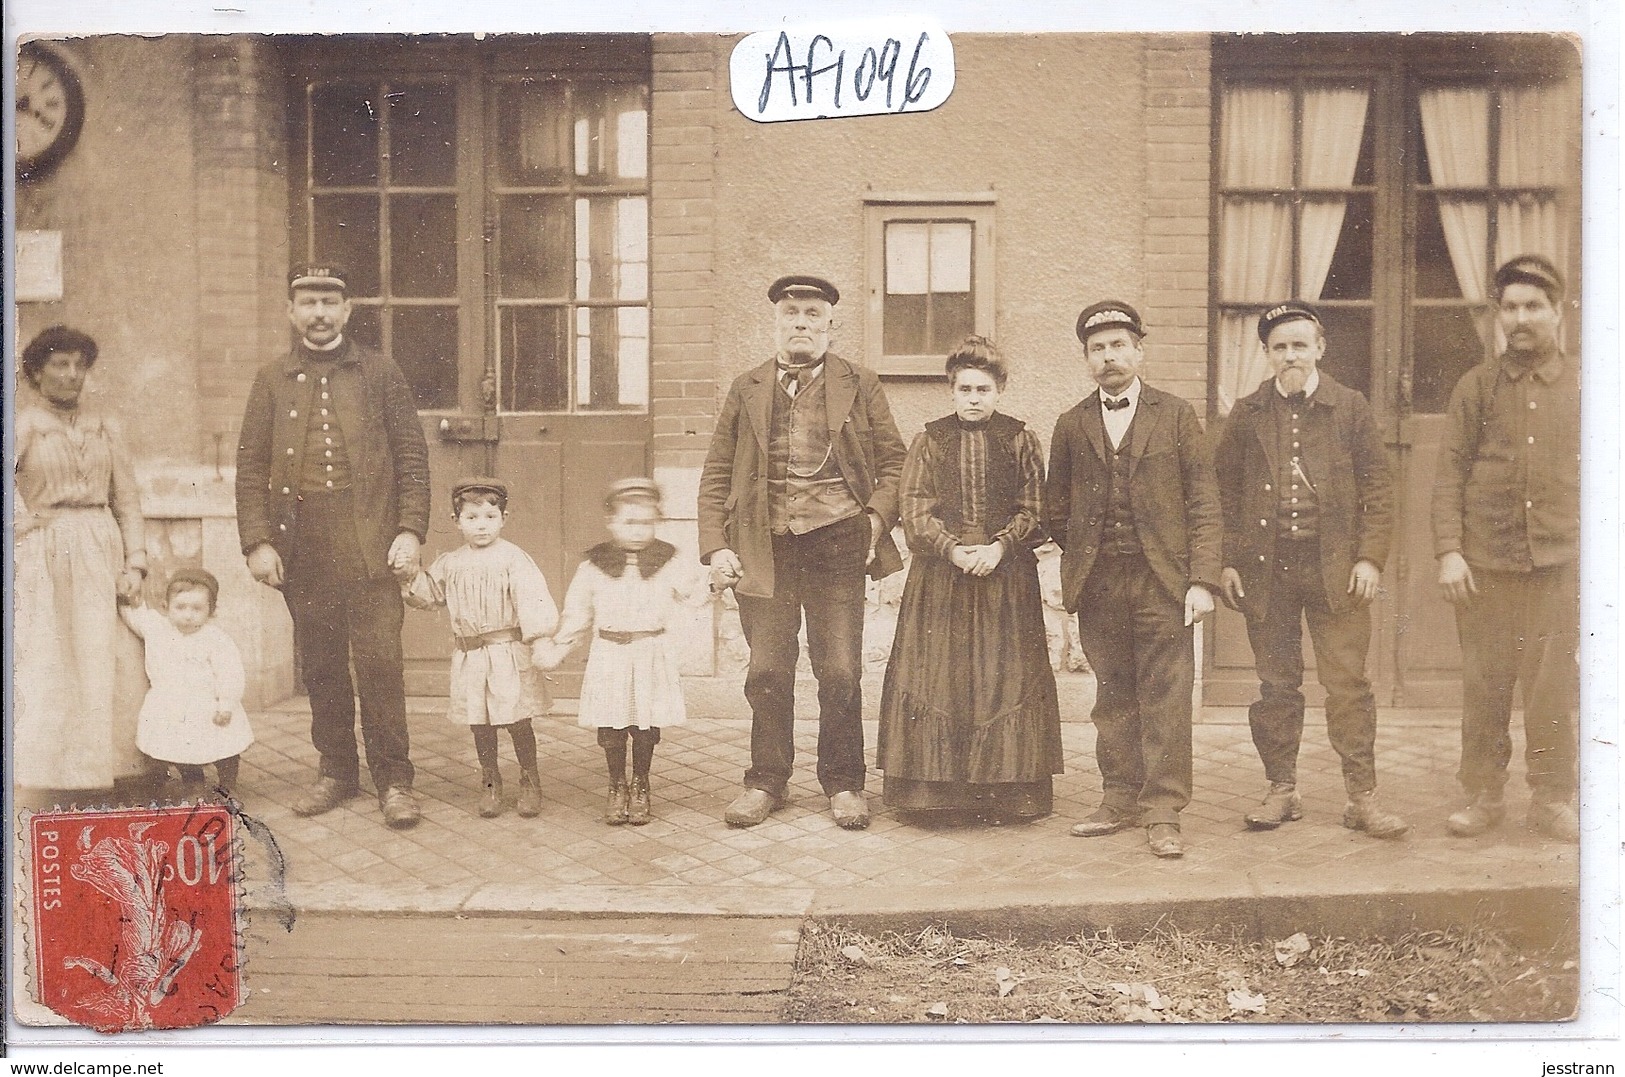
x=135, y=916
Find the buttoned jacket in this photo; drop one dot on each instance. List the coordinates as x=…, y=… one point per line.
x=1342, y=455
x=1171, y=491
x=733, y=495
x=389, y=459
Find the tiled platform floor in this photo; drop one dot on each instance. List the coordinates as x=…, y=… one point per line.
x=687, y=854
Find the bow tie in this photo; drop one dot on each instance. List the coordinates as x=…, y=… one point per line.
x=1297, y=399
x=1115, y=405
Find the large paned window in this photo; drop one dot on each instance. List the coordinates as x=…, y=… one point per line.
x=492, y=208
x=1385, y=183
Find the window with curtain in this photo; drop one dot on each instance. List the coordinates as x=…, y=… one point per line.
x=930, y=268
x=1296, y=216
x=1491, y=168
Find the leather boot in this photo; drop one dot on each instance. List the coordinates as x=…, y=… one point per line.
x=616, y=806
x=1486, y=811
x=637, y=812
x=491, y=802
x=1281, y=804
x=530, y=793
x=1365, y=813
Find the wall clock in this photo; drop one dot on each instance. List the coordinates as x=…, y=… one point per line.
x=50, y=109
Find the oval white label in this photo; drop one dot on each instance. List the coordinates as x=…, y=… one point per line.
x=842, y=69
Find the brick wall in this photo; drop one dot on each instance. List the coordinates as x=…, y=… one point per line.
x=241, y=143
x=682, y=189
x=1178, y=134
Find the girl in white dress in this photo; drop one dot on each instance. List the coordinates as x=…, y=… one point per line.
x=501, y=615
x=193, y=713
x=631, y=589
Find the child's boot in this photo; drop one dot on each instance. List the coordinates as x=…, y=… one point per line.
x=491, y=802
x=617, y=808
x=530, y=792
x=637, y=811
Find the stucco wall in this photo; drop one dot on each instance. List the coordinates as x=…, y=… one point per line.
x=1054, y=124
x=124, y=203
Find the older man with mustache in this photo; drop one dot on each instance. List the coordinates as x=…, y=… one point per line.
x=1308, y=515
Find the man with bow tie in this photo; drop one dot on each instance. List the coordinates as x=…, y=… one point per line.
x=1308, y=515
x=1132, y=502
x=796, y=502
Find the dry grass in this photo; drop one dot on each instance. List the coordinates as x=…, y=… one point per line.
x=1173, y=976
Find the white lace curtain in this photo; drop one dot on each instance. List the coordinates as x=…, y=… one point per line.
x=1255, y=233
x=1531, y=152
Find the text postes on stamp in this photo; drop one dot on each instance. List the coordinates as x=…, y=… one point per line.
x=135, y=916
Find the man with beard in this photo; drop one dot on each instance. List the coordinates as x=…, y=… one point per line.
x=1131, y=500
x=796, y=504
x=332, y=498
x=1308, y=514
x=1506, y=529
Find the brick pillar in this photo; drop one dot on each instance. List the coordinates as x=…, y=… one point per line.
x=240, y=133
x=685, y=92
x=1179, y=141
x=682, y=185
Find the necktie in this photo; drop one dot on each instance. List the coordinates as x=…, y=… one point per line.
x=791, y=377
x=1115, y=405
x=1296, y=399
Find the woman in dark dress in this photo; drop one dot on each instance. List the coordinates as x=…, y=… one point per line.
x=968, y=714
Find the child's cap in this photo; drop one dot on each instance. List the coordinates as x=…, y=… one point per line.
x=636, y=488
x=199, y=578
x=479, y=484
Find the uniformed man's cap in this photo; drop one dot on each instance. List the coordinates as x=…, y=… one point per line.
x=483, y=484
x=803, y=287
x=1111, y=314
x=636, y=488
x=316, y=275
x=1293, y=310
x=1530, y=269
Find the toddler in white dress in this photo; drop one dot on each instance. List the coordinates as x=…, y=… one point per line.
x=501, y=615
x=628, y=592
x=193, y=713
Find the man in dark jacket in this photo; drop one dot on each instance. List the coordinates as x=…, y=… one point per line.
x=1131, y=500
x=1308, y=514
x=332, y=500
x=1506, y=528
x=798, y=495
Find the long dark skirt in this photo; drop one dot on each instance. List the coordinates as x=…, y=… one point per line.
x=968, y=714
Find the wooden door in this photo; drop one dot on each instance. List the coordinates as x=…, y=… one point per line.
x=492, y=201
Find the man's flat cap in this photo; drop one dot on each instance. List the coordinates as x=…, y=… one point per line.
x=1293, y=310
x=1530, y=269
x=1111, y=314
x=316, y=275
x=803, y=287
x=484, y=484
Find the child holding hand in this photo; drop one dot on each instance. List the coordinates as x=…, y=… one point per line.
x=630, y=589
x=501, y=615
x=193, y=713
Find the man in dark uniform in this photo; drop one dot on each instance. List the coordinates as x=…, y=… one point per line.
x=798, y=496
x=332, y=499
x=1308, y=515
x=1132, y=502
x=1506, y=529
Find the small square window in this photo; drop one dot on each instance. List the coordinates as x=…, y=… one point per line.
x=930, y=279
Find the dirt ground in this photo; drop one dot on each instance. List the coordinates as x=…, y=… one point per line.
x=845, y=976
